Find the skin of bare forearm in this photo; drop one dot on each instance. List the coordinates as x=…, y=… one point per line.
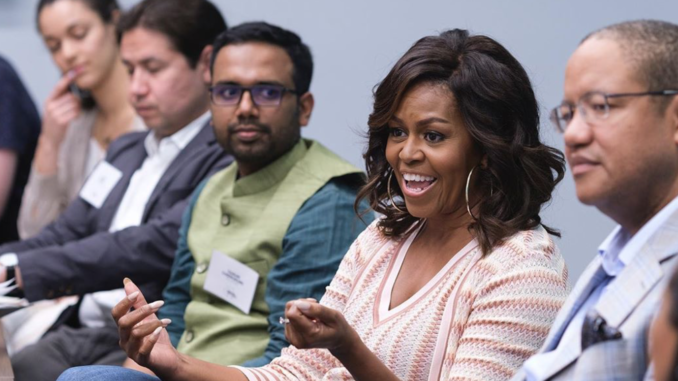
x=358, y=360
x=192, y=369
x=46, y=155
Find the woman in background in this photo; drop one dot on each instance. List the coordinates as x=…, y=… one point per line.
x=87, y=109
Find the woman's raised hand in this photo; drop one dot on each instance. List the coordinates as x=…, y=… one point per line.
x=142, y=334
x=312, y=325
x=61, y=108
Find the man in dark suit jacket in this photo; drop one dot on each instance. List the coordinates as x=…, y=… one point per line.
x=77, y=254
x=126, y=219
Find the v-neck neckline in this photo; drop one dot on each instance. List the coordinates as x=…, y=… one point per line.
x=382, y=310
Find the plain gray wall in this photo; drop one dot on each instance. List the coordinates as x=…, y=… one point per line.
x=355, y=43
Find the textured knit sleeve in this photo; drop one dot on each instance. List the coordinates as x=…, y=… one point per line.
x=43, y=201
x=314, y=364
x=47, y=196
x=506, y=308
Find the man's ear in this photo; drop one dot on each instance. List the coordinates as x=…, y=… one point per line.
x=306, y=103
x=671, y=114
x=204, y=64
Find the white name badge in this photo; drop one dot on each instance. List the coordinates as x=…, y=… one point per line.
x=232, y=281
x=100, y=183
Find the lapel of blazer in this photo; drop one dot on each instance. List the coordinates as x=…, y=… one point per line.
x=631, y=286
x=127, y=159
x=204, y=137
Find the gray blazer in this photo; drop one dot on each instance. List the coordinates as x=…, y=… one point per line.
x=629, y=304
x=46, y=197
x=76, y=254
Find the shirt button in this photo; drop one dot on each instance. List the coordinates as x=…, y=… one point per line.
x=202, y=267
x=225, y=219
x=189, y=336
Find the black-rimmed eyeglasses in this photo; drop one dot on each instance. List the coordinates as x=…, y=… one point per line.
x=594, y=107
x=262, y=95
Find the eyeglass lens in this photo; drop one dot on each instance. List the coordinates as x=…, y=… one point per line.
x=593, y=107
x=262, y=95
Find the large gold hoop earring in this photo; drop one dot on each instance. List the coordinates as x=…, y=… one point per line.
x=388, y=191
x=468, y=206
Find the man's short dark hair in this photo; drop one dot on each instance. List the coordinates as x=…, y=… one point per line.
x=299, y=53
x=189, y=24
x=651, y=46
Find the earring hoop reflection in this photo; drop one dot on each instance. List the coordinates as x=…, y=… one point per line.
x=468, y=206
x=388, y=191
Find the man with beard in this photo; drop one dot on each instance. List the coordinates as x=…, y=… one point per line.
x=282, y=213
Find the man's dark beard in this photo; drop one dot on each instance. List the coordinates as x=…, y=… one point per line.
x=264, y=128
x=252, y=153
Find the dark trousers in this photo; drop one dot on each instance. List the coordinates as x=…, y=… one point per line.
x=66, y=347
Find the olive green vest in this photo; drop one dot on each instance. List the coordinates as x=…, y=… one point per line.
x=247, y=220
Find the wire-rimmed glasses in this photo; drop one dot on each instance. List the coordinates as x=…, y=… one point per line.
x=594, y=107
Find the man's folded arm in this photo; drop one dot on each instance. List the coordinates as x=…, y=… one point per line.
x=101, y=261
x=73, y=223
x=68, y=227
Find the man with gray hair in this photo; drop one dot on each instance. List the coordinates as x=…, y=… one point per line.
x=619, y=119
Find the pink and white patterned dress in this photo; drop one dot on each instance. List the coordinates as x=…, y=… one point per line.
x=479, y=318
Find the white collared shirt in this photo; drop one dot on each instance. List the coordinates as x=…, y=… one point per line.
x=95, y=308
x=144, y=180
x=616, y=252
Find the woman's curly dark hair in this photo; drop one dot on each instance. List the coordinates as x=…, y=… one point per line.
x=495, y=98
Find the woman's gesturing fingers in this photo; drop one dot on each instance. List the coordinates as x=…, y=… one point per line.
x=135, y=299
x=312, y=325
x=62, y=85
x=132, y=311
x=142, y=338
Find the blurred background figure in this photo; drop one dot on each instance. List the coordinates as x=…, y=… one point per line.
x=19, y=130
x=87, y=109
x=664, y=335
x=126, y=218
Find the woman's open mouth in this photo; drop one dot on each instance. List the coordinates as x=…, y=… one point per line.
x=416, y=185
